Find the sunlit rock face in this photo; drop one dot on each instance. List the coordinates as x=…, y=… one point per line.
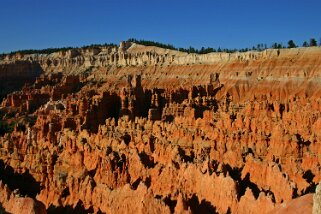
x=148, y=130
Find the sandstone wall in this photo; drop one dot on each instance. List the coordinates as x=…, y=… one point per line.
x=77, y=60
x=147, y=131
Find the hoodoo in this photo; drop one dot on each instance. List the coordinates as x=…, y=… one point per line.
x=112, y=129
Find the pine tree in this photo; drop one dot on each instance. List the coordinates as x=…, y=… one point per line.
x=313, y=42
x=291, y=44
x=305, y=44
x=275, y=45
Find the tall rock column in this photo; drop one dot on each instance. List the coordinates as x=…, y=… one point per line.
x=317, y=200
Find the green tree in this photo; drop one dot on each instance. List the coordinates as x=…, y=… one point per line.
x=274, y=45
x=291, y=44
x=191, y=50
x=313, y=42
x=277, y=45
x=305, y=44
x=202, y=51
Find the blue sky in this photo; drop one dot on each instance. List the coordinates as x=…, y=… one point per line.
x=216, y=23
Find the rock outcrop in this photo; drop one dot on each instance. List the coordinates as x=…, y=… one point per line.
x=13, y=202
x=150, y=130
x=317, y=200
x=15, y=74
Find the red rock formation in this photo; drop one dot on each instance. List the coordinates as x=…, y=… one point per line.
x=13, y=203
x=299, y=205
x=239, y=133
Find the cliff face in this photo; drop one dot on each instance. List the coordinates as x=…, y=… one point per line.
x=132, y=54
x=14, y=75
x=287, y=71
x=148, y=130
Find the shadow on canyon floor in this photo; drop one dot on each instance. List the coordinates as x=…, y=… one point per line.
x=25, y=183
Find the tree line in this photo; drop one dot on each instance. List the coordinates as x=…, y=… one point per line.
x=53, y=50
x=203, y=50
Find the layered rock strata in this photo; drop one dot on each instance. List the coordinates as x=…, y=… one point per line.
x=218, y=133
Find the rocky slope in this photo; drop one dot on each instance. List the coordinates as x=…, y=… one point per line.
x=148, y=130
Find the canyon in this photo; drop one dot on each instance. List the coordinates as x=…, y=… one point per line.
x=141, y=129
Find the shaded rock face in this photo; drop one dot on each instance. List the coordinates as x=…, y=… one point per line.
x=14, y=75
x=237, y=137
x=13, y=202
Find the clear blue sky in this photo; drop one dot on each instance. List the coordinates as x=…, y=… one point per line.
x=36, y=24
